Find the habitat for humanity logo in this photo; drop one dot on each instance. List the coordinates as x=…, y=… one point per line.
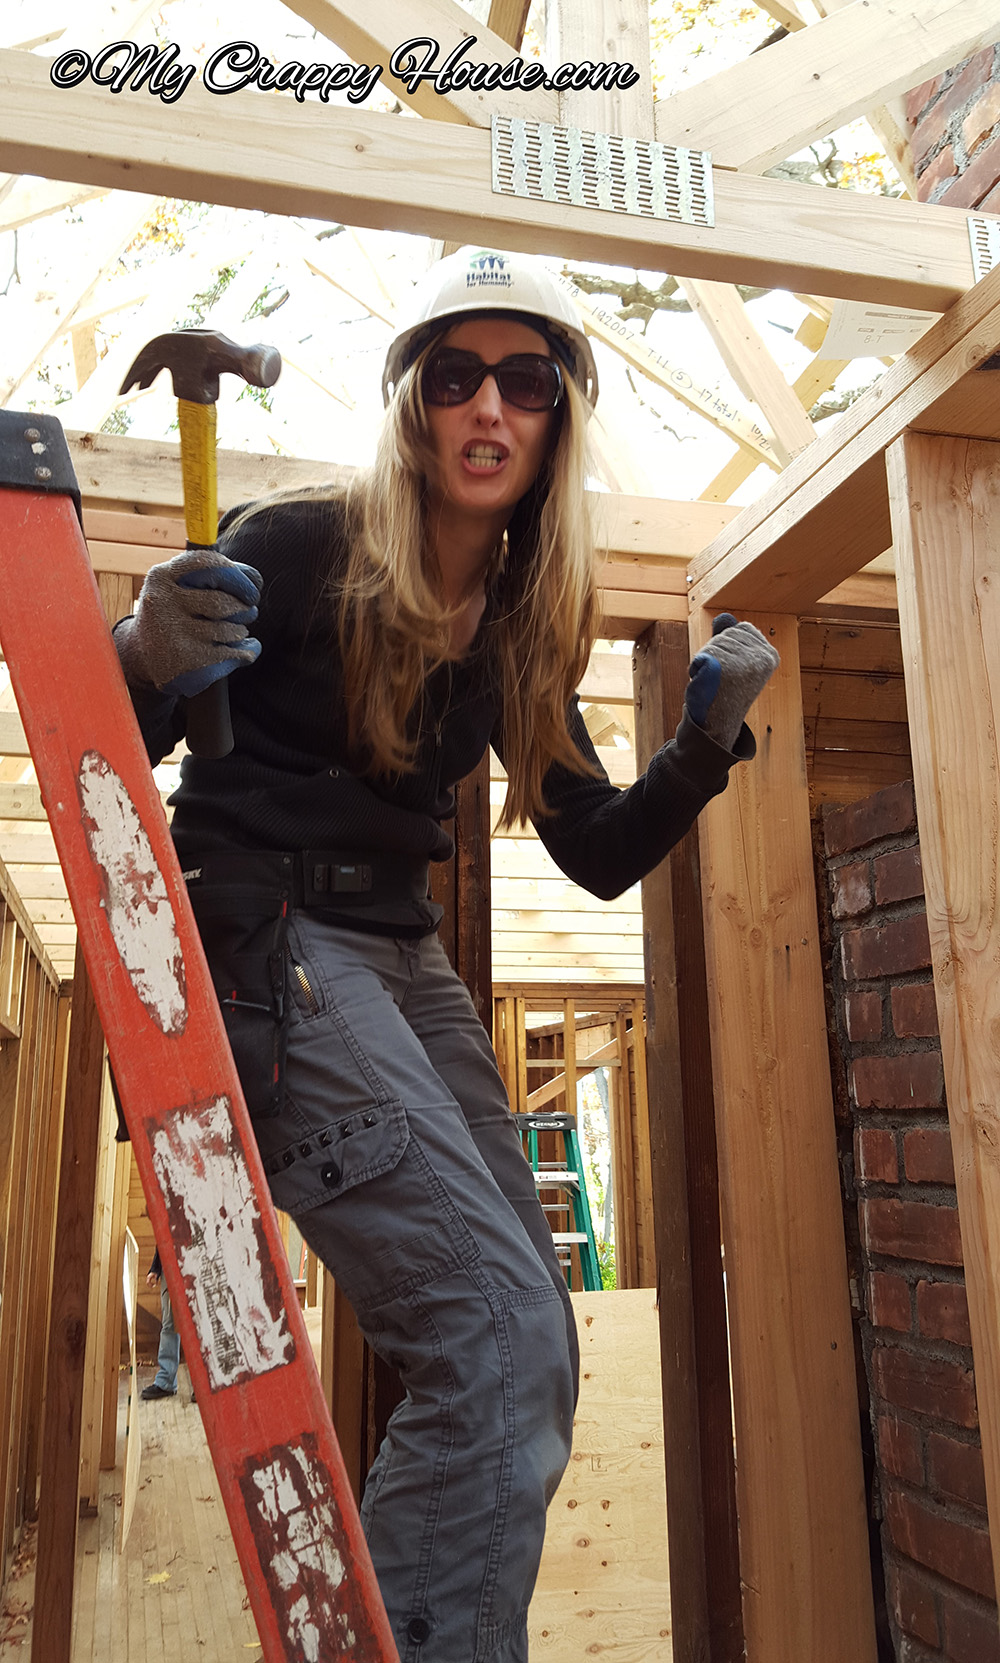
x=125, y=66
x=487, y=270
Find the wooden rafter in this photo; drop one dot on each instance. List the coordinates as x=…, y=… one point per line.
x=761, y=110
x=370, y=30
x=433, y=178
x=828, y=513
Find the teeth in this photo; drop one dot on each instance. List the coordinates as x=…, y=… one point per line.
x=484, y=456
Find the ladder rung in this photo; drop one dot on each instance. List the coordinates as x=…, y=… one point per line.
x=563, y=1238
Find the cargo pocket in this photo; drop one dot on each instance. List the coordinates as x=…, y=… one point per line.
x=324, y=1163
x=243, y=934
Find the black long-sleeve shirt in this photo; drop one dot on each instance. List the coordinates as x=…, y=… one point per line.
x=289, y=783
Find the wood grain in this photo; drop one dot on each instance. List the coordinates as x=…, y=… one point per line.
x=433, y=179
x=803, y=1531
x=946, y=497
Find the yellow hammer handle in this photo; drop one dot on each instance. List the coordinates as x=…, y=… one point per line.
x=198, y=470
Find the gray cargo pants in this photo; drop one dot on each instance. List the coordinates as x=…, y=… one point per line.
x=397, y=1157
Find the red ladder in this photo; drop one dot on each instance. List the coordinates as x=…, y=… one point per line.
x=308, y=1574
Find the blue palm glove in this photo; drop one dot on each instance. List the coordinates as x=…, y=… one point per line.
x=190, y=626
x=726, y=677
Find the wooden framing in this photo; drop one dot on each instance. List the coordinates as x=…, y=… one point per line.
x=803, y=87
x=944, y=496
x=433, y=178
x=935, y=416
x=803, y=1555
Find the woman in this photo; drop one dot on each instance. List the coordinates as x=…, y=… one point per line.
x=446, y=602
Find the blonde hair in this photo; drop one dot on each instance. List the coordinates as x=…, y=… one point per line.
x=394, y=628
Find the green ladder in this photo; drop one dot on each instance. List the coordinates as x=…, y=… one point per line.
x=565, y=1178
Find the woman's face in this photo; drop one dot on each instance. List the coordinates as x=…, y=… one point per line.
x=486, y=454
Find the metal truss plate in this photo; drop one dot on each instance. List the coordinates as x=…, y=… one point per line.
x=984, y=235
x=601, y=170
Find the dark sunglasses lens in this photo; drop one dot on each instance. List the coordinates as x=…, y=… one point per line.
x=452, y=377
x=529, y=381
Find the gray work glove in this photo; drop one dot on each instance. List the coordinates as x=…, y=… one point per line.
x=190, y=626
x=726, y=677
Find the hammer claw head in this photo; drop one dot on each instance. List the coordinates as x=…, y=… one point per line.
x=196, y=358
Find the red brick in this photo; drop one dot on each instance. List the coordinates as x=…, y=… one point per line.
x=875, y=1156
x=929, y=132
x=976, y=182
x=863, y=1016
x=921, y=96
x=852, y=890
x=925, y=1385
x=886, y=949
x=913, y=1604
x=885, y=814
x=943, y=1312
x=914, y=1011
x=970, y=1635
x=944, y=166
x=946, y=1545
x=899, y=1449
x=927, y=1156
x=913, y=1081
x=982, y=118
x=911, y=1230
x=975, y=72
x=956, y=1469
x=991, y=203
x=889, y=1303
x=898, y=876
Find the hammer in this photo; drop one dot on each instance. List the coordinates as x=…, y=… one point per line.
x=196, y=358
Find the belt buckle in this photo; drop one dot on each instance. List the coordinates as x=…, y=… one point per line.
x=340, y=877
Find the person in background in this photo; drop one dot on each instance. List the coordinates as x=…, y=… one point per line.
x=168, y=1357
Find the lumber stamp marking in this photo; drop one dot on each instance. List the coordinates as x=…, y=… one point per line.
x=296, y=1526
x=133, y=893
x=216, y=1228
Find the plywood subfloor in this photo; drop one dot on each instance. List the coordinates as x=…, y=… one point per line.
x=177, y=1595
x=603, y=1590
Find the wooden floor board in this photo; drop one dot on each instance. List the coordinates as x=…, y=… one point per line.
x=176, y=1593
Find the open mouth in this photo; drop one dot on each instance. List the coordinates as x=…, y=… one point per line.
x=483, y=456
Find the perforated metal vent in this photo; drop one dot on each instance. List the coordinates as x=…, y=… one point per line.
x=984, y=235
x=601, y=170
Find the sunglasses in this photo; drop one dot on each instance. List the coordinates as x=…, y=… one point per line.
x=528, y=380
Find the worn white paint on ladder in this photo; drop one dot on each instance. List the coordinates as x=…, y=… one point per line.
x=217, y=1231
x=139, y=911
x=300, y=1538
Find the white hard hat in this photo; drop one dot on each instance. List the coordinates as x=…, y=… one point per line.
x=481, y=280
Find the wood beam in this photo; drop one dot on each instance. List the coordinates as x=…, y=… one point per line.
x=697, y=1407
x=773, y=103
x=803, y=1527
x=370, y=30
x=58, y=1501
x=816, y=379
x=721, y=309
x=611, y=31
x=690, y=389
x=433, y=179
x=30, y=199
x=828, y=513
x=508, y=19
x=944, y=495
x=44, y=322
x=142, y=477
x=887, y=121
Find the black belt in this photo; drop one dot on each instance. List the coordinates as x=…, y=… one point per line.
x=331, y=878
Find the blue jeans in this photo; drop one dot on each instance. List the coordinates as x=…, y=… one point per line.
x=169, y=1355
x=396, y=1154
